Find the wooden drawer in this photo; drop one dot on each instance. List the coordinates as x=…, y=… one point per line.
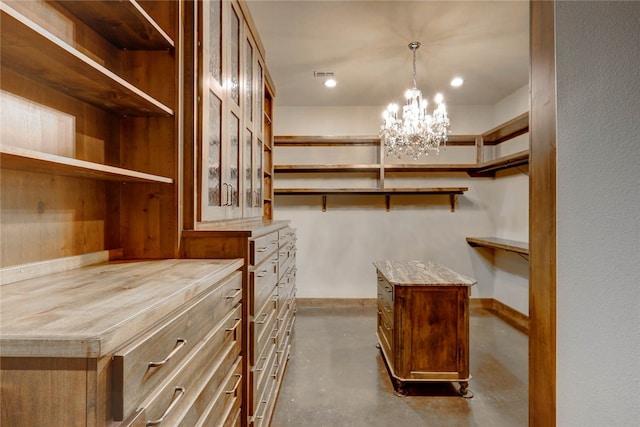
x=266, y=403
x=142, y=365
x=261, y=330
x=262, y=283
x=385, y=332
x=262, y=247
x=173, y=400
x=263, y=372
x=221, y=399
x=385, y=297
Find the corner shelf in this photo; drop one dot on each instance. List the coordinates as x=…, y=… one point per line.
x=35, y=161
x=125, y=23
x=489, y=169
x=499, y=243
x=30, y=50
x=453, y=192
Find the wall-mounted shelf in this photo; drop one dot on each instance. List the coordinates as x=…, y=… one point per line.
x=324, y=141
x=125, y=23
x=489, y=169
x=499, y=243
x=510, y=129
x=30, y=50
x=35, y=161
x=326, y=168
x=453, y=193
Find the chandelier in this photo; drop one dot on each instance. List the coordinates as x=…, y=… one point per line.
x=417, y=132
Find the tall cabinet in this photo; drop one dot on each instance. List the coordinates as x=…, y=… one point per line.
x=230, y=70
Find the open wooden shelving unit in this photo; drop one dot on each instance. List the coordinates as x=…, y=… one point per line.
x=34, y=52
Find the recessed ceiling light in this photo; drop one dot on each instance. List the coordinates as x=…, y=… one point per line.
x=457, y=82
x=330, y=83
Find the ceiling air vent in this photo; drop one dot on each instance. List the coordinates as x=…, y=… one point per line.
x=323, y=74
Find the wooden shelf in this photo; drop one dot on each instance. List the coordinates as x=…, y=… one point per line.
x=124, y=23
x=35, y=161
x=498, y=243
x=490, y=168
x=453, y=193
x=323, y=141
x=32, y=51
x=326, y=168
x=428, y=167
x=507, y=130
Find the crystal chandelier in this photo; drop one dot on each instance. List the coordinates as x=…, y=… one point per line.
x=417, y=132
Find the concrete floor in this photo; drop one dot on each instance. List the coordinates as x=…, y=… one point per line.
x=337, y=377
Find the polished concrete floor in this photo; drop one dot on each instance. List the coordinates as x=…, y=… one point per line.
x=337, y=377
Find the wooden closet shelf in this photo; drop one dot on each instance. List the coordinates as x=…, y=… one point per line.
x=499, y=243
x=326, y=168
x=30, y=50
x=453, y=193
x=35, y=161
x=491, y=167
x=320, y=141
x=124, y=23
x=510, y=129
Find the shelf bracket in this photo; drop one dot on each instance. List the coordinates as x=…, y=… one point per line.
x=387, y=200
x=453, y=198
x=324, y=203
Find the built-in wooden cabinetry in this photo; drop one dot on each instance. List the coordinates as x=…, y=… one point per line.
x=268, y=248
x=230, y=121
x=423, y=323
x=128, y=343
x=123, y=124
x=89, y=129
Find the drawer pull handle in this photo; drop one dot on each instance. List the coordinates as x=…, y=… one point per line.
x=181, y=342
x=237, y=292
x=235, y=387
x=176, y=398
x=387, y=327
x=262, y=249
x=264, y=359
x=261, y=273
x=275, y=372
x=264, y=319
x=235, y=325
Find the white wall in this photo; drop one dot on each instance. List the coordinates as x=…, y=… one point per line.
x=598, y=220
x=336, y=248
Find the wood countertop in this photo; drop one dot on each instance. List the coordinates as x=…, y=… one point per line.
x=420, y=273
x=87, y=312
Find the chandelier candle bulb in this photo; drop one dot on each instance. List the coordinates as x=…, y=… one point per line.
x=417, y=132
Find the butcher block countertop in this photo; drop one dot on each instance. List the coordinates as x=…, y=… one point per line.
x=421, y=273
x=87, y=312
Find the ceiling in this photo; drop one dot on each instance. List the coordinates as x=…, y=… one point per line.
x=365, y=43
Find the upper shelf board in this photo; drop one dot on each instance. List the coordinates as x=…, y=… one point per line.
x=35, y=161
x=499, y=243
x=30, y=50
x=510, y=129
x=124, y=23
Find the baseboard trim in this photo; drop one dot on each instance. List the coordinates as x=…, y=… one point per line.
x=336, y=302
x=510, y=315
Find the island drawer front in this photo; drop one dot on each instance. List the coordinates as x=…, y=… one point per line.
x=262, y=247
x=385, y=297
x=222, y=392
x=385, y=330
x=176, y=396
x=167, y=345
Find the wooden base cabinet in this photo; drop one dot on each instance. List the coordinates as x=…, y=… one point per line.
x=124, y=344
x=269, y=249
x=423, y=323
